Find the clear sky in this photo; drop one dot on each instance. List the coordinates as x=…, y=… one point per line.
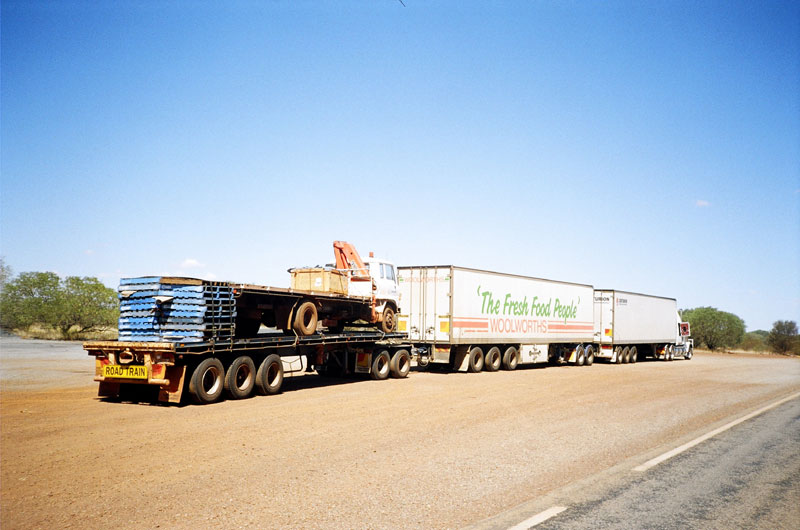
x=643, y=146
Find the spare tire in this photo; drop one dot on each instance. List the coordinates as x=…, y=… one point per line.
x=305, y=319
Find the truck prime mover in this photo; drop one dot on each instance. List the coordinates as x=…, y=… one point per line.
x=205, y=339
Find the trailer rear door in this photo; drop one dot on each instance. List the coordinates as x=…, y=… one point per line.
x=425, y=303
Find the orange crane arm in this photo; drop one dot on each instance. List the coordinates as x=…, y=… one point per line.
x=347, y=258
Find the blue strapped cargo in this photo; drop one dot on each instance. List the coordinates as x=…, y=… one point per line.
x=154, y=308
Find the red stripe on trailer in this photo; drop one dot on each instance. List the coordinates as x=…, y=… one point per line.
x=477, y=324
x=562, y=327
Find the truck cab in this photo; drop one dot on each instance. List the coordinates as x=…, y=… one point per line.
x=384, y=275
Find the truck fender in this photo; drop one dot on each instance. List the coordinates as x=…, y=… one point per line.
x=381, y=305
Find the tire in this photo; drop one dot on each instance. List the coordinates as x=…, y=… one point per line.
x=400, y=365
x=389, y=322
x=269, y=378
x=626, y=355
x=671, y=353
x=618, y=352
x=475, y=360
x=510, y=358
x=580, y=356
x=240, y=378
x=688, y=355
x=493, y=359
x=305, y=319
x=589, y=355
x=633, y=355
x=207, y=381
x=380, y=365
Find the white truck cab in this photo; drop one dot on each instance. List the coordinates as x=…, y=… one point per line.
x=384, y=276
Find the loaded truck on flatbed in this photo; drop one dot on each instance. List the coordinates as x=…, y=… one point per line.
x=210, y=337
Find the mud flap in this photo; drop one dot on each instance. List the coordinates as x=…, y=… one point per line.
x=108, y=389
x=461, y=359
x=172, y=393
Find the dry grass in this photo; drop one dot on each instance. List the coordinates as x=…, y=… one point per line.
x=47, y=333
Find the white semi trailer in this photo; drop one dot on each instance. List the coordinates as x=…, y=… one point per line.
x=474, y=320
x=629, y=326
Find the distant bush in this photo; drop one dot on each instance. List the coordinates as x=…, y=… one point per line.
x=73, y=307
x=754, y=341
x=783, y=337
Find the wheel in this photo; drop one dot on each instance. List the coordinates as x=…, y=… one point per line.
x=688, y=355
x=240, y=379
x=206, y=383
x=633, y=354
x=305, y=319
x=626, y=355
x=671, y=353
x=510, y=358
x=400, y=364
x=475, y=360
x=493, y=359
x=618, y=354
x=380, y=365
x=389, y=322
x=580, y=358
x=589, y=355
x=270, y=375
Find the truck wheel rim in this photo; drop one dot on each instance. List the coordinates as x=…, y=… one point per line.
x=244, y=377
x=211, y=380
x=273, y=374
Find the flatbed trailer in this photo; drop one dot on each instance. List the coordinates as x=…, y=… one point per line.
x=240, y=367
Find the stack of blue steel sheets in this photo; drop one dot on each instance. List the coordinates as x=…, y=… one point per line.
x=155, y=309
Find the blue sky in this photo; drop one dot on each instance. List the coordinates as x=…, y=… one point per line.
x=644, y=146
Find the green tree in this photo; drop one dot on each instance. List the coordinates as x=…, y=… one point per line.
x=72, y=306
x=714, y=328
x=783, y=336
x=30, y=298
x=5, y=273
x=86, y=304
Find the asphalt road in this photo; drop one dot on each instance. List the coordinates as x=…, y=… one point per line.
x=745, y=477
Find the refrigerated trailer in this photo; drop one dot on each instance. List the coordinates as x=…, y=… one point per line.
x=473, y=320
x=629, y=326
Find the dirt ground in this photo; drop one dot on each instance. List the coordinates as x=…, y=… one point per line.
x=436, y=450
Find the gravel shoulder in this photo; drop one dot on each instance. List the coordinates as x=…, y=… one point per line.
x=436, y=450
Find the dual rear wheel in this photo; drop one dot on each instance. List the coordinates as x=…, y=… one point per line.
x=210, y=378
x=493, y=360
